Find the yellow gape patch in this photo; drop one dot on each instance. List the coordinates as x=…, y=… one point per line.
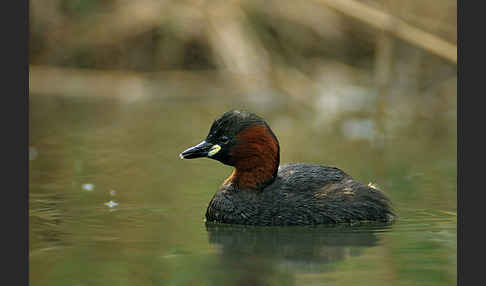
x=215, y=149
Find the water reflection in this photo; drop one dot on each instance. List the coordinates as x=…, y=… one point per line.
x=33, y=152
x=261, y=254
x=45, y=220
x=111, y=204
x=88, y=187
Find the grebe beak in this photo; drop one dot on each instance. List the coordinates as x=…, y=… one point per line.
x=203, y=149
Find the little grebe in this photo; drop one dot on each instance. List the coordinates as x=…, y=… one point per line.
x=260, y=192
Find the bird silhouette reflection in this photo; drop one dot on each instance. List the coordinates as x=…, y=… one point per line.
x=257, y=255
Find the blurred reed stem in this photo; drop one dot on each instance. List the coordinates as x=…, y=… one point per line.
x=406, y=32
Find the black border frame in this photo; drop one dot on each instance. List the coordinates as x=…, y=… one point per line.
x=460, y=137
x=14, y=24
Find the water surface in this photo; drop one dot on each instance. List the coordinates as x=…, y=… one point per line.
x=112, y=204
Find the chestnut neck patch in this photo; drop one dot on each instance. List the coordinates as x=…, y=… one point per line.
x=256, y=158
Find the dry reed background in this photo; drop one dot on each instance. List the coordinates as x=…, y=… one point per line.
x=133, y=49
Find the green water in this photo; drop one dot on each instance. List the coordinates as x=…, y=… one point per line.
x=111, y=203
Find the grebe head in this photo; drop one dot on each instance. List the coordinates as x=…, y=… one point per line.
x=243, y=140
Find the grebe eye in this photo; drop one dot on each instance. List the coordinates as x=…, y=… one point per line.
x=225, y=140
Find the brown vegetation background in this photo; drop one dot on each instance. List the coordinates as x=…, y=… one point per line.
x=299, y=49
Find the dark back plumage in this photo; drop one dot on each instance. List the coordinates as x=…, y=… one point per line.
x=302, y=194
